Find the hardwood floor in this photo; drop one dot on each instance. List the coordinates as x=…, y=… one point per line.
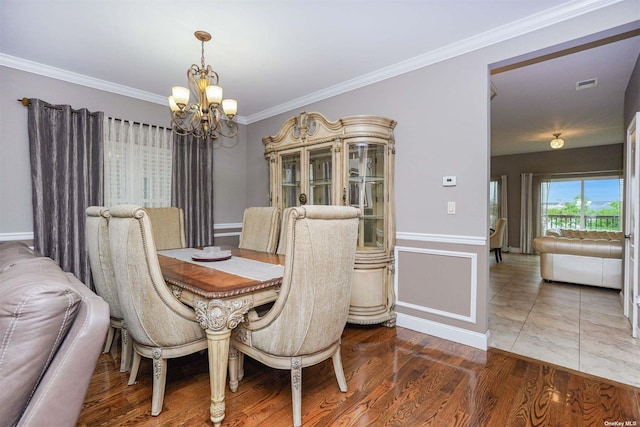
x=396, y=377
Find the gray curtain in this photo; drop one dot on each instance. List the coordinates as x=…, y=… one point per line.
x=192, y=187
x=66, y=153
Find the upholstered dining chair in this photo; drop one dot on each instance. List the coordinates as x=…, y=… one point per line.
x=496, y=238
x=304, y=326
x=168, y=227
x=161, y=326
x=260, y=229
x=97, y=238
x=282, y=240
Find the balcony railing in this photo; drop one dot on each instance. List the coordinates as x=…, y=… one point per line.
x=591, y=222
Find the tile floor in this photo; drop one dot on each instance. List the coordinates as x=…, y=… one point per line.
x=575, y=326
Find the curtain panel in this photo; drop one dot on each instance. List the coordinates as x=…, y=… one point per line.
x=192, y=187
x=66, y=152
x=526, y=213
x=504, y=210
x=138, y=162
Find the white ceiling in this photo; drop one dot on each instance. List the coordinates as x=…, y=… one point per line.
x=274, y=56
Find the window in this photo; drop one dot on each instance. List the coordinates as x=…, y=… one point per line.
x=138, y=161
x=586, y=203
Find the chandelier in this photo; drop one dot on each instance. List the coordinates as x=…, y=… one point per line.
x=210, y=116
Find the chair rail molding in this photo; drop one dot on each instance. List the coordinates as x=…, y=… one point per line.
x=443, y=238
x=236, y=226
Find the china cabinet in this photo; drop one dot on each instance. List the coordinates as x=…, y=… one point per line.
x=346, y=162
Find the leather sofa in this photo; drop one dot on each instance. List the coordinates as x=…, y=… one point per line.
x=587, y=257
x=52, y=329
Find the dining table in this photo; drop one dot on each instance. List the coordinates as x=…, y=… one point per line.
x=221, y=290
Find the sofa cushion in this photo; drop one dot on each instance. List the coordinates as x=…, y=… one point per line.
x=12, y=252
x=37, y=308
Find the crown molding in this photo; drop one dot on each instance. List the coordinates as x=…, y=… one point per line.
x=82, y=80
x=79, y=79
x=528, y=24
x=520, y=27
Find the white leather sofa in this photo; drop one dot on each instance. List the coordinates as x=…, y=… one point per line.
x=585, y=257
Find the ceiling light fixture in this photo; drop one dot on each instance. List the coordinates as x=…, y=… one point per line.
x=209, y=117
x=556, y=142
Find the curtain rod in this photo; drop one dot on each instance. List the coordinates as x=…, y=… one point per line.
x=25, y=101
x=611, y=171
x=139, y=123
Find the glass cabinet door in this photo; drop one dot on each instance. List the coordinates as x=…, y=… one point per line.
x=291, y=174
x=366, y=189
x=320, y=173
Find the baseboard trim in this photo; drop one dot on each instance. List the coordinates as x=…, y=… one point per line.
x=447, y=332
x=8, y=237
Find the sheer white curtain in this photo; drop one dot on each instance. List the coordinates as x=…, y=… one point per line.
x=543, y=221
x=504, y=210
x=526, y=213
x=138, y=162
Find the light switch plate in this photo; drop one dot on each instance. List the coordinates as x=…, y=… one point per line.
x=451, y=208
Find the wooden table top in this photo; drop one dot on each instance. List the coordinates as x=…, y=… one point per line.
x=211, y=283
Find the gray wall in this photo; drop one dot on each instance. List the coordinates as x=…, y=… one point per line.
x=442, y=112
x=15, y=179
x=600, y=158
x=632, y=95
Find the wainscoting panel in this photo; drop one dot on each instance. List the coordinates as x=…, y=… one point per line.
x=441, y=286
x=442, y=269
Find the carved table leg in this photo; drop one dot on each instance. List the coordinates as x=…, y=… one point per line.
x=218, y=318
x=218, y=357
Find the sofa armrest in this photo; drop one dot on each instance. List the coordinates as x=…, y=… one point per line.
x=52, y=328
x=61, y=393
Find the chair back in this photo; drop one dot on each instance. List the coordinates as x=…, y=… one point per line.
x=496, y=238
x=282, y=240
x=97, y=237
x=154, y=316
x=311, y=310
x=168, y=227
x=260, y=229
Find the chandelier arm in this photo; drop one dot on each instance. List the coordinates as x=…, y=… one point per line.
x=234, y=129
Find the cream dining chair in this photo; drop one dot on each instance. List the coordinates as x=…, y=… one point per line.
x=162, y=327
x=304, y=326
x=168, y=227
x=97, y=238
x=282, y=240
x=260, y=229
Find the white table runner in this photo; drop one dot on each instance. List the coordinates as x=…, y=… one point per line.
x=249, y=268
